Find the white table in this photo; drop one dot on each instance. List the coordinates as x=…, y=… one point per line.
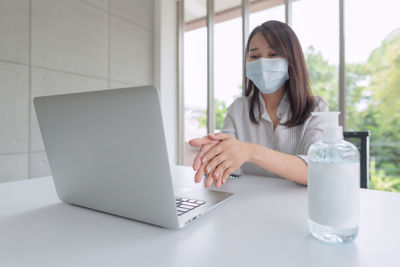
x=264, y=224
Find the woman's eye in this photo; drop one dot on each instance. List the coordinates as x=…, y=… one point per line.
x=273, y=55
x=253, y=57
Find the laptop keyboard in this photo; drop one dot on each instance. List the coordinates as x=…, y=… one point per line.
x=184, y=205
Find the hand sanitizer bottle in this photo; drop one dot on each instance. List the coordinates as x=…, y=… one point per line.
x=333, y=185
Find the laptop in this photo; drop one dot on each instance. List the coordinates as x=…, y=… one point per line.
x=107, y=151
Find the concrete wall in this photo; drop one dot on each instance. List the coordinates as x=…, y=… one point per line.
x=61, y=46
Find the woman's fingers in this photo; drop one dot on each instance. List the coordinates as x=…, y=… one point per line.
x=220, y=169
x=197, y=159
x=203, y=170
x=219, y=136
x=209, y=167
x=211, y=153
x=209, y=180
x=202, y=141
x=199, y=174
x=218, y=182
x=226, y=174
x=212, y=164
x=220, y=160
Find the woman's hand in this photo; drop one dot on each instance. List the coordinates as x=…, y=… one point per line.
x=224, y=158
x=205, y=143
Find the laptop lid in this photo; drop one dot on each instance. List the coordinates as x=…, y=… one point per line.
x=107, y=151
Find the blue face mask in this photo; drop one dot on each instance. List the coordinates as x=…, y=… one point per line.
x=268, y=74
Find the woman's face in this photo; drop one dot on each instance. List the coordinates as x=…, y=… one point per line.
x=259, y=48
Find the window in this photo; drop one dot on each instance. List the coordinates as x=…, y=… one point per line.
x=321, y=54
x=195, y=73
x=373, y=84
x=261, y=11
x=228, y=50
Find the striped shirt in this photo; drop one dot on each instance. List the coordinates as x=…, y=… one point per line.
x=290, y=140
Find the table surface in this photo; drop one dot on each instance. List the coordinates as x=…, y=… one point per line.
x=264, y=224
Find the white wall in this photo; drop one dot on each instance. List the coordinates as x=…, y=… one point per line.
x=165, y=69
x=52, y=47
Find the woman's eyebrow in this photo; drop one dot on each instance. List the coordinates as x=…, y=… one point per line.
x=257, y=49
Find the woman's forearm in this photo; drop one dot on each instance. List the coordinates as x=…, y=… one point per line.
x=285, y=165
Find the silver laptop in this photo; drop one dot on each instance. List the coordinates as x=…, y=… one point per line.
x=107, y=151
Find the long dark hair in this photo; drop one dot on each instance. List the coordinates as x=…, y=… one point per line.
x=284, y=41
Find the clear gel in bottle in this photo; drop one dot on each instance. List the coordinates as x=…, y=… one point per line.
x=333, y=185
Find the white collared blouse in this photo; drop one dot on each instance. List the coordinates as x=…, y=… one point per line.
x=290, y=140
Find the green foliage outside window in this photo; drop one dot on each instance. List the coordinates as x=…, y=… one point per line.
x=220, y=113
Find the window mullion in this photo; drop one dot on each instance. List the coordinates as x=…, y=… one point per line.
x=245, y=35
x=288, y=12
x=210, y=68
x=180, y=94
x=342, y=68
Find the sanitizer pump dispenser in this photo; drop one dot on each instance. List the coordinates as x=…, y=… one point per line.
x=333, y=184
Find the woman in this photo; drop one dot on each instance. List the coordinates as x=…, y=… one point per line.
x=269, y=130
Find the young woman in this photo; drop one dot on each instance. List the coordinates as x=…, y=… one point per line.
x=269, y=130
